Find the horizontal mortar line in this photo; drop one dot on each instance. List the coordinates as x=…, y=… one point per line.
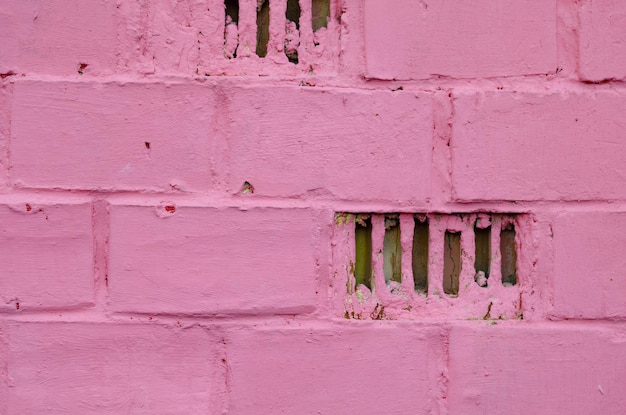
x=289, y=320
x=341, y=82
x=221, y=199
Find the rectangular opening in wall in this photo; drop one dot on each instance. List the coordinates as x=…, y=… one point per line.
x=292, y=30
x=231, y=31
x=508, y=252
x=451, y=263
x=262, y=27
x=482, y=257
x=363, y=254
x=320, y=11
x=392, y=249
x=419, y=260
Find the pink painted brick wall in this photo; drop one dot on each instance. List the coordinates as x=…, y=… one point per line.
x=178, y=229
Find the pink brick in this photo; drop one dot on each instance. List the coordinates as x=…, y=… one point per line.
x=589, y=274
x=46, y=260
x=208, y=260
x=603, y=39
x=532, y=146
x=6, y=94
x=352, y=144
x=93, y=136
x=83, y=368
x=367, y=369
x=56, y=36
x=536, y=369
x=418, y=39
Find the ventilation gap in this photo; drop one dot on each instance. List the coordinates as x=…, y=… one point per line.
x=363, y=257
x=392, y=250
x=419, y=261
x=231, y=30
x=451, y=263
x=292, y=30
x=320, y=10
x=508, y=253
x=482, y=257
x=262, y=27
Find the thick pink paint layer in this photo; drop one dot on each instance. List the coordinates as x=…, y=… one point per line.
x=177, y=214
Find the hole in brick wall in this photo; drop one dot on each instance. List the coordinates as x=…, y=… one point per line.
x=320, y=10
x=451, y=263
x=508, y=252
x=363, y=247
x=292, y=30
x=392, y=250
x=231, y=29
x=262, y=27
x=419, y=262
x=482, y=257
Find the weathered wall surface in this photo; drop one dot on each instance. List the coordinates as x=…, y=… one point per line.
x=213, y=207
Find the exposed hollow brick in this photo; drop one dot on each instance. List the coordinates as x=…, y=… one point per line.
x=56, y=36
x=410, y=39
x=538, y=146
x=508, y=368
x=91, y=368
x=93, y=136
x=589, y=265
x=353, y=144
x=373, y=368
x=197, y=260
x=47, y=257
x=602, y=40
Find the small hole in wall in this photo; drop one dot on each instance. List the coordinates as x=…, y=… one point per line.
x=147, y=144
x=363, y=248
x=320, y=10
x=508, y=253
x=292, y=30
x=231, y=29
x=451, y=263
x=419, y=262
x=482, y=257
x=392, y=250
x=262, y=27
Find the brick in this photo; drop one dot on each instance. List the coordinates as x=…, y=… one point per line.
x=47, y=256
x=92, y=368
x=212, y=261
x=589, y=270
x=533, y=146
x=56, y=36
x=536, y=369
x=4, y=381
x=419, y=39
x=6, y=95
x=374, y=369
x=94, y=136
x=602, y=40
x=290, y=141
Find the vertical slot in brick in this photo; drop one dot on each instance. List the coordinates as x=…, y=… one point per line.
x=392, y=250
x=320, y=10
x=262, y=27
x=419, y=261
x=482, y=257
x=508, y=253
x=363, y=254
x=451, y=263
x=231, y=28
x=292, y=30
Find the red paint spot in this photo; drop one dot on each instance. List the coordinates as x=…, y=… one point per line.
x=28, y=208
x=6, y=74
x=170, y=209
x=17, y=306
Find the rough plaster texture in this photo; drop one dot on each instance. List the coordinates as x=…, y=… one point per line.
x=168, y=228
